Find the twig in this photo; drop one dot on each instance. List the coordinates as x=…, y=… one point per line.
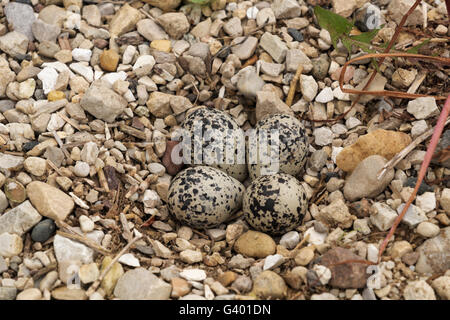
x=126, y=230
x=399, y=156
x=61, y=144
x=386, y=93
x=97, y=282
x=69, y=121
x=423, y=169
x=293, y=86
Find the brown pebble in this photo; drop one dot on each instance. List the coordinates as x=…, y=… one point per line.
x=171, y=168
x=100, y=43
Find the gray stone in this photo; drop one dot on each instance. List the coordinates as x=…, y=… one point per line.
x=363, y=181
x=383, y=216
x=274, y=46
x=397, y=9
x=423, y=108
x=245, y=49
x=150, y=30
x=8, y=293
x=102, y=102
x=66, y=249
x=286, y=9
x=14, y=43
x=414, y=215
x=249, y=83
x=20, y=219
x=21, y=17
x=174, y=23
x=10, y=244
x=434, y=257
x=296, y=57
x=141, y=284
x=268, y=102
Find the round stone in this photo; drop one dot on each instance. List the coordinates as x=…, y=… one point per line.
x=43, y=230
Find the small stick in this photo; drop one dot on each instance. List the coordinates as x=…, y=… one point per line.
x=293, y=86
x=399, y=156
x=69, y=121
x=126, y=230
x=102, y=179
x=97, y=282
x=61, y=144
x=54, y=167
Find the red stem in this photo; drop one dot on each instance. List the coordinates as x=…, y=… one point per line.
x=423, y=169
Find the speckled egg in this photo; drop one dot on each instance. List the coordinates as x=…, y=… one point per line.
x=204, y=197
x=275, y=203
x=268, y=154
x=217, y=141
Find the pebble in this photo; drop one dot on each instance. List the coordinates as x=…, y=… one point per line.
x=400, y=248
x=89, y=273
x=296, y=57
x=49, y=77
x=273, y=261
x=8, y=293
x=65, y=293
x=323, y=296
x=175, y=24
x=193, y=274
x=383, y=216
x=290, y=239
x=36, y=166
x=14, y=43
x=191, y=256
x=414, y=215
x=21, y=17
x=433, y=257
x=109, y=60
x=43, y=230
x=274, y=46
x=114, y=274
x=49, y=201
x=418, y=290
x=325, y=96
x=397, y=8
x=20, y=219
x=30, y=294
x=304, y=256
x=67, y=250
x=441, y=286
x=102, y=102
x=428, y=229
x=255, y=244
x=267, y=103
x=130, y=260
x=180, y=287
x=323, y=136
x=363, y=181
x=308, y=87
x=10, y=245
x=268, y=285
x=423, y=108
x=344, y=276
x=336, y=214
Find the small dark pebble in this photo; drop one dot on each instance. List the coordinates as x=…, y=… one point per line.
x=147, y=250
x=361, y=26
x=312, y=279
x=294, y=33
x=330, y=175
x=29, y=145
x=111, y=177
x=424, y=187
x=43, y=230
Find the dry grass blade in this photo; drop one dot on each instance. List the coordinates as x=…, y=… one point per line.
x=385, y=93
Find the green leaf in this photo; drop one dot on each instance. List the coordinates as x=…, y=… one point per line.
x=417, y=48
x=366, y=37
x=336, y=25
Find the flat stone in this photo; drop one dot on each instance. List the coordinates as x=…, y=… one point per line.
x=20, y=219
x=10, y=245
x=64, y=293
x=423, y=108
x=175, y=24
x=344, y=276
x=193, y=274
x=274, y=46
x=102, y=102
x=21, y=17
x=296, y=57
x=383, y=216
x=49, y=201
x=286, y=9
x=141, y=284
x=414, y=215
x=109, y=282
x=377, y=84
x=363, y=182
x=150, y=30
x=14, y=43
x=245, y=49
x=69, y=250
x=268, y=102
x=44, y=31
x=397, y=9
x=124, y=20
x=8, y=293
